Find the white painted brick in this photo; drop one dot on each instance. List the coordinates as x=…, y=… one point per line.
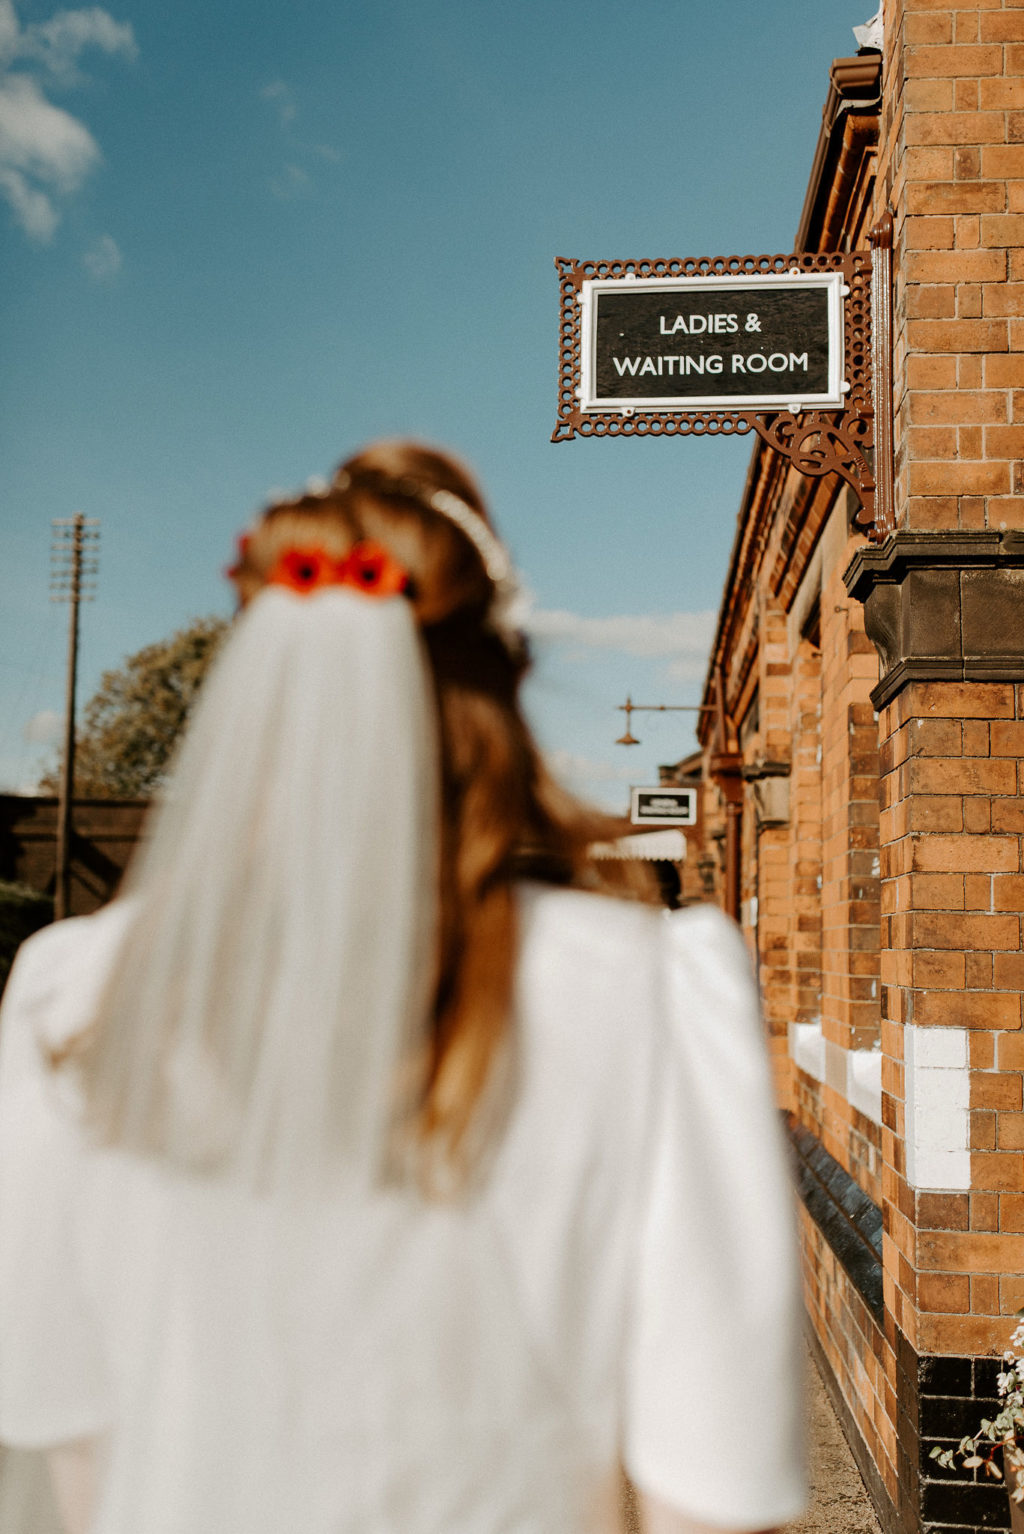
x=936, y=1090
x=864, y=1082
x=941, y=1129
x=937, y=1101
x=939, y=1047
x=807, y=1048
x=939, y=1170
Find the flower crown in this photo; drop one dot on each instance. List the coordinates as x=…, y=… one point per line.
x=370, y=568
x=367, y=567
x=305, y=568
x=494, y=556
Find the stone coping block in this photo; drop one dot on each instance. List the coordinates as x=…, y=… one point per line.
x=942, y=607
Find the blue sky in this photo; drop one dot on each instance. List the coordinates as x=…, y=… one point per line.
x=240, y=241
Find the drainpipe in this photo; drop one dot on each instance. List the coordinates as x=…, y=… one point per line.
x=726, y=770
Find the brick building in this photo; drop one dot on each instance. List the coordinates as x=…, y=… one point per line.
x=864, y=786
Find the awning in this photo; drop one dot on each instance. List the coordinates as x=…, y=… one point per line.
x=652, y=846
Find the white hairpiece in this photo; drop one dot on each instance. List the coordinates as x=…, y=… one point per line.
x=492, y=552
x=504, y=612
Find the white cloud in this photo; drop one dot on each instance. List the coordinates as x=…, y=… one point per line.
x=45, y=152
x=33, y=209
x=8, y=30
x=571, y=767
x=279, y=94
x=103, y=260
x=44, y=728
x=644, y=634
x=598, y=782
x=688, y=668
x=292, y=182
x=41, y=139
x=56, y=44
x=683, y=639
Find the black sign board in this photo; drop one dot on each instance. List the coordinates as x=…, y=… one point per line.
x=713, y=343
x=663, y=807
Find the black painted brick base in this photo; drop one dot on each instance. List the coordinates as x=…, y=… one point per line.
x=941, y=1399
x=849, y=1220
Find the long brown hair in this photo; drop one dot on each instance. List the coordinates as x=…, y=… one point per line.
x=503, y=816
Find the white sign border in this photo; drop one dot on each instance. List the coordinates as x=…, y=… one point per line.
x=834, y=399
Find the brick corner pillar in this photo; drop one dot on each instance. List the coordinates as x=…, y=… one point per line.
x=944, y=606
x=946, y=614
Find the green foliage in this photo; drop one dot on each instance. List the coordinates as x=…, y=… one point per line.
x=131, y=725
x=22, y=912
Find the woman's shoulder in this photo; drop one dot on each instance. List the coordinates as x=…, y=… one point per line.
x=695, y=933
x=712, y=999
x=702, y=936
x=63, y=944
x=59, y=970
x=576, y=918
x=689, y=971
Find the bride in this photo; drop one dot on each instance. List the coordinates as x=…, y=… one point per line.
x=366, y=1167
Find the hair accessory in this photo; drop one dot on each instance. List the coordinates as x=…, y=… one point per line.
x=493, y=554
x=496, y=561
x=368, y=567
x=242, y=542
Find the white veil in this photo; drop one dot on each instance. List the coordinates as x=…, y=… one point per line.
x=278, y=963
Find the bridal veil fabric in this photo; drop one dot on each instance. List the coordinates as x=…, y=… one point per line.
x=279, y=954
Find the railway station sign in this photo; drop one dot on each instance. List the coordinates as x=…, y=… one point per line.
x=793, y=347
x=663, y=807
x=711, y=343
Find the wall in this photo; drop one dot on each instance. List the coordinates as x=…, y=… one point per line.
x=952, y=169
x=885, y=685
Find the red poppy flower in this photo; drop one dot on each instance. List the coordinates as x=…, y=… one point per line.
x=242, y=542
x=371, y=568
x=368, y=567
x=305, y=570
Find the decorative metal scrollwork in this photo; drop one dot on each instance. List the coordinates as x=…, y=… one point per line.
x=819, y=443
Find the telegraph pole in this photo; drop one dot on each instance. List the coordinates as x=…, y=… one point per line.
x=74, y=566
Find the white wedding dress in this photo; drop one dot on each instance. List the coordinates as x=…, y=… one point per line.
x=620, y=1288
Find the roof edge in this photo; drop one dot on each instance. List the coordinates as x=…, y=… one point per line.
x=852, y=82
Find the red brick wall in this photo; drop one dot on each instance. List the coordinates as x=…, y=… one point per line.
x=892, y=900
x=953, y=893
x=849, y=794
x=952, y=165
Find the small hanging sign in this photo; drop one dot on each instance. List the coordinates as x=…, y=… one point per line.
x=663, y=807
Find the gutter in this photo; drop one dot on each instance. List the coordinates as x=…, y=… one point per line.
x=854, y=85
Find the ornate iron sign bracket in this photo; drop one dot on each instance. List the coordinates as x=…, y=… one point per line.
x=816, y=441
